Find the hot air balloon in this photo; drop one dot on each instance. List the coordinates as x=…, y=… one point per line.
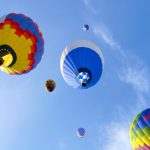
x=50, y=85
x=21, y=44
x=86, y=27
x=81, y=132
x=140, y=131
x=81, y=64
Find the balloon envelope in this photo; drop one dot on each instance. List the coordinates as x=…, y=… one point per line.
x=81, y=64
x=140, y=131
x=50, y=85
x=21, y=44
x=86, y=27
x=81, y=132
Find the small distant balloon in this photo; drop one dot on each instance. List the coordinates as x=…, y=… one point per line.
x=86, y=27
x=81, y=132
x=50, y=85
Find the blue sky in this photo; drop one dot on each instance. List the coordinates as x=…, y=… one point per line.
x=31, y=118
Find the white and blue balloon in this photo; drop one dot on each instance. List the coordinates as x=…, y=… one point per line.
x=81, y=132
x=86, y=27
x=81, y=64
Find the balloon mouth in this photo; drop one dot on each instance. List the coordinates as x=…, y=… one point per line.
x=84, y=77
x=8, y=56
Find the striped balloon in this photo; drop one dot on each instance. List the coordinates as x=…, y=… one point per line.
x=81, y=64
x=21, y=44
x=140, y=131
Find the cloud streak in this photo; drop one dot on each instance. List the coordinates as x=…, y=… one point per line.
x=102, y=32
x=89, y=6
x=117, y=138
x=134, y=72
x=116, y=133
x=137, y=77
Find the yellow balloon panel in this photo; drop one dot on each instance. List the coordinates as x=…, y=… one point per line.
x=7, y=60
x=20, y=45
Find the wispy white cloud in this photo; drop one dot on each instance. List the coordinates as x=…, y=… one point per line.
x=102, y=32
x=133, y=72
x=89, y=6
x=137, y=77
x=116, y=133
x=116, y=137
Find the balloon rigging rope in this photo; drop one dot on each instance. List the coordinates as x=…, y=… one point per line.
x=71, y=68
x=72, y=62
